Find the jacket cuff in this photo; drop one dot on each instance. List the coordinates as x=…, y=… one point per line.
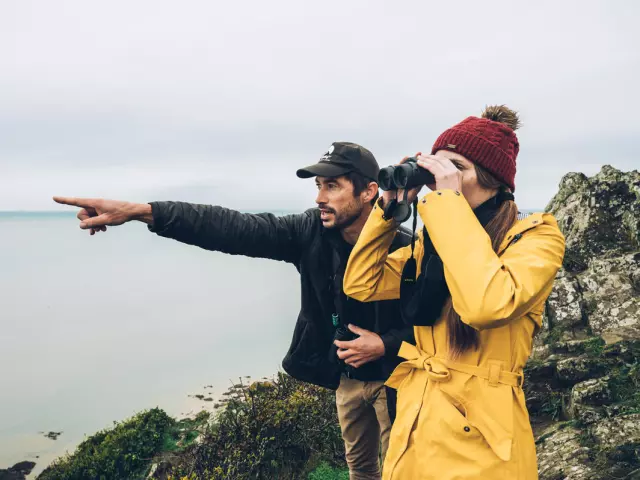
x=391, y=344
x=158, y=212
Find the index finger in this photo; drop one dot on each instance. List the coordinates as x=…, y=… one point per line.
x=76, y=202
x=407, y=158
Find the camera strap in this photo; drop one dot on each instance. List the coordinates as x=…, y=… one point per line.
x=409, y=270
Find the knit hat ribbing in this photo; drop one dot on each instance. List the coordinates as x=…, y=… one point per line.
x=491, y=144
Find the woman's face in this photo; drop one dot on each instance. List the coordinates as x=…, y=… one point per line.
x=473, y=192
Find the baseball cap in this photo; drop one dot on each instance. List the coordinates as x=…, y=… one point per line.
x=343, y=158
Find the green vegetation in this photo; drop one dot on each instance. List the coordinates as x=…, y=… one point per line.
x=594, y=346
x=282, y=429
x=554, y=336
x=123, y=452
x=553, y=405
x=184, y=432
x=325, y=472
x=624, y=382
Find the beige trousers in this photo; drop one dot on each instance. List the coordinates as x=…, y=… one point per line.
x=365, y=424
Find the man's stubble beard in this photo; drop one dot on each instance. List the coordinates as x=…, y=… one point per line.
x=348, y=217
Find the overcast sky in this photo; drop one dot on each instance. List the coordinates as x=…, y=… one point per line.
x=220, y=102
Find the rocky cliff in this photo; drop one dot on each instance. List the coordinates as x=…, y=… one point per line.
x=583, y=381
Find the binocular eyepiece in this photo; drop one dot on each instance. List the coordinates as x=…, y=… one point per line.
x=404, y=176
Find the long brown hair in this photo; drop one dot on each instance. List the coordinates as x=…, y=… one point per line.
x=462, y=337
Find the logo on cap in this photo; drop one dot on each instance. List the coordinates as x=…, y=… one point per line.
x=451, y=146
x=329, y=152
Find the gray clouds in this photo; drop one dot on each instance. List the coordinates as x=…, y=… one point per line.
x=221, y=101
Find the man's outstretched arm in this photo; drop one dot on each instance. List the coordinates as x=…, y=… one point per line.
x=210, y=227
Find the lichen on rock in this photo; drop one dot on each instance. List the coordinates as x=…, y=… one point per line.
x=583, y=382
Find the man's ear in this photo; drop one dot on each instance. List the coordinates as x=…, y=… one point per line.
x=370, y=192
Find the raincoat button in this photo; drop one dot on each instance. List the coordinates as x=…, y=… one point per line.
x=457, y=193
x=467, y=429
x=424, y=200
x=439, y=193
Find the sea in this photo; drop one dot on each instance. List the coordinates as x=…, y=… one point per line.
x=94, y=329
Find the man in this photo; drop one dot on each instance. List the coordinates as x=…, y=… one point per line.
x=318, y=242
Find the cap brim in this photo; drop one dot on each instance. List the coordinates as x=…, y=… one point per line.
x=323, y=170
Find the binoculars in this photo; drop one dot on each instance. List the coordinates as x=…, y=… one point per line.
x=342, y=334
x=404, y=176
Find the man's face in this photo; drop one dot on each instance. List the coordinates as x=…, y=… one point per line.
x=339, y=208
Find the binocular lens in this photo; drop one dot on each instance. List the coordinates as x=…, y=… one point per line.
x=405, y=176
x=401, y=174
x=385, y=178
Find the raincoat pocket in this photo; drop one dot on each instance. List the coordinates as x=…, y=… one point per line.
x=491, y=411
x=457, y=444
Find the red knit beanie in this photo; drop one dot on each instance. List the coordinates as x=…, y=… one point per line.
x=489, y=141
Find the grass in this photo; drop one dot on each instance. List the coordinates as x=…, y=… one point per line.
x=326, y=472
x=594, y=347
x=553, y=406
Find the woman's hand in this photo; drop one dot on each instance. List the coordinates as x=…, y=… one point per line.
x=446, y=174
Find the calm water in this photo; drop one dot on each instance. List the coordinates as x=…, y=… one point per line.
x=94, y=329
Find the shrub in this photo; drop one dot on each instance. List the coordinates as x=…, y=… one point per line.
x=122, y=452
x=269, y=430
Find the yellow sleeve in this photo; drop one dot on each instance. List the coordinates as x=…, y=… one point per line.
x=487, y=290
x=372, y=273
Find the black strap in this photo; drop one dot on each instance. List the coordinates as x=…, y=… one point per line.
x=415, y=225
x=336, y=293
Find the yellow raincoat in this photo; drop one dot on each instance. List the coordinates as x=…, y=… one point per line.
x=464, y=419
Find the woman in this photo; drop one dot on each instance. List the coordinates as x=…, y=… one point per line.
x=484, y=277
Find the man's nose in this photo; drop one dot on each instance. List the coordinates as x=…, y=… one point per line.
x=321, y=197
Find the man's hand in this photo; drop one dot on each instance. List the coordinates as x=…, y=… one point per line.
x=96, y=213
x=364, y=349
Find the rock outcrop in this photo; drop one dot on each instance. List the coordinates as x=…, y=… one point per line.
x=583, y=381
